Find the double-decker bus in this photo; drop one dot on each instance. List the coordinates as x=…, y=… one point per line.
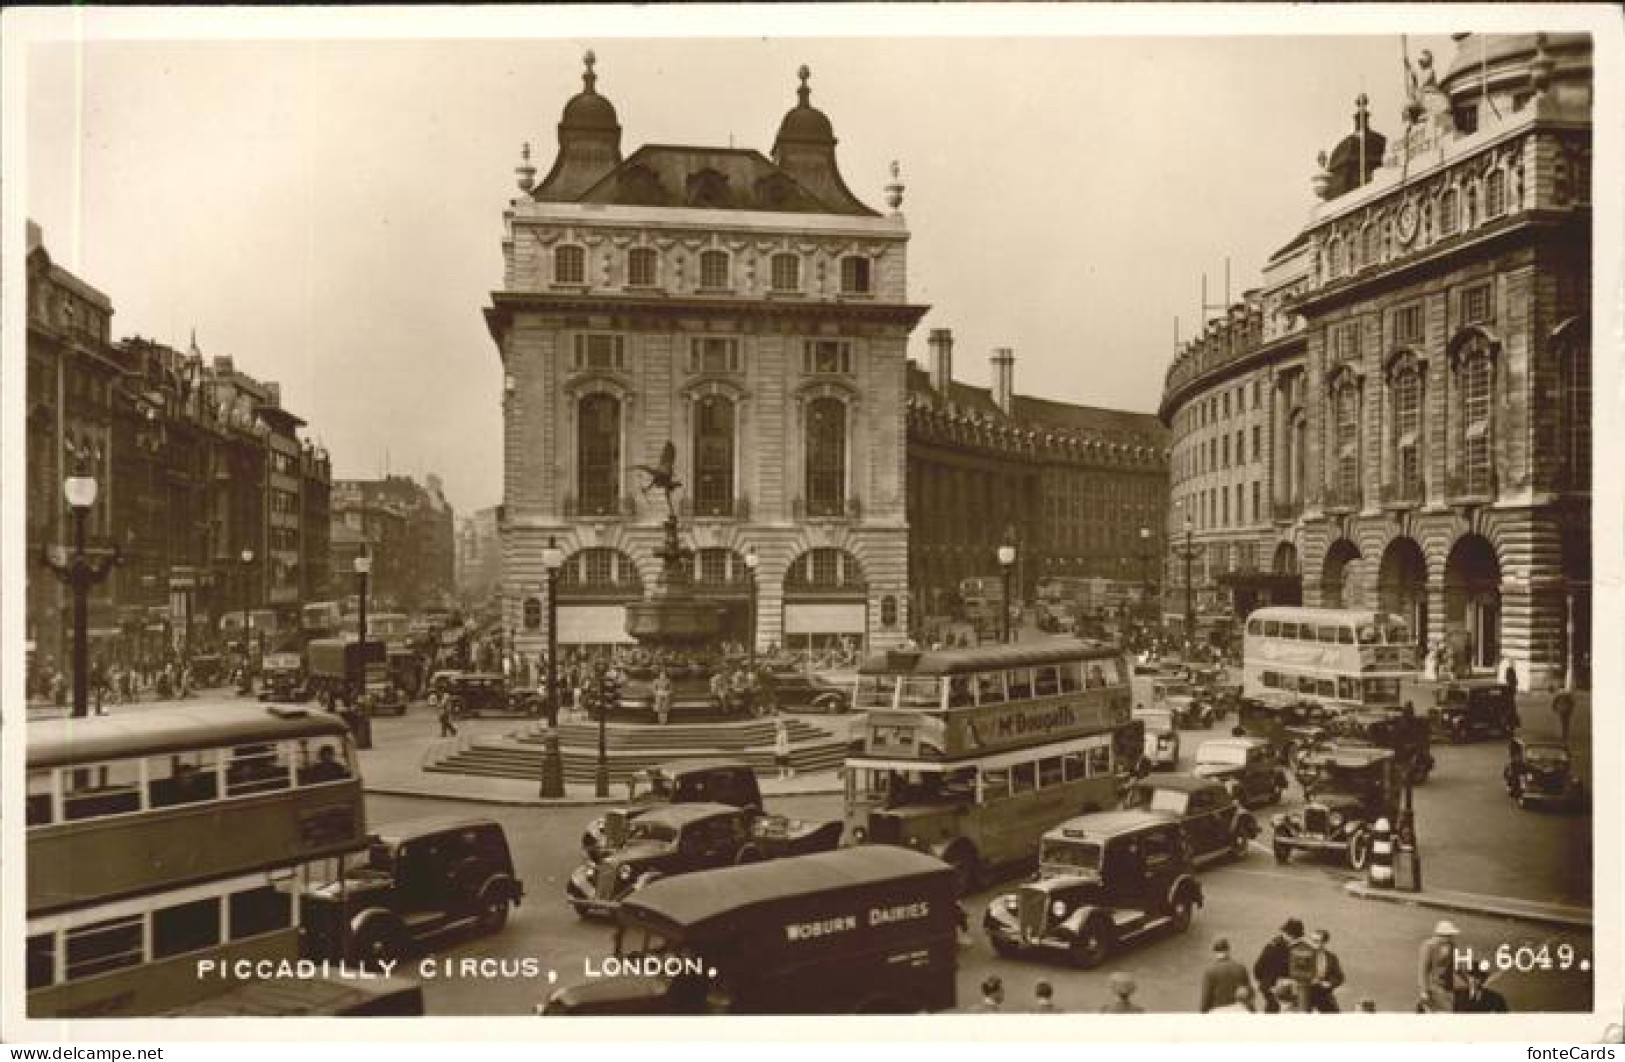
x=1337, y=658
x=320, y=619
x=971, y=754
x=160, y=841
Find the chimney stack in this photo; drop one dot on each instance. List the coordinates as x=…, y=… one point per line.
x=942, y=361
x=1004, y=364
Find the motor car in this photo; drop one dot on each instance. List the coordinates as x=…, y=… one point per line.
x=1542, y=774
x=707, y=781
x=795, y=689
x=1403, y=733
x=682, y=838
x=1214, y=823
x=1190, y=707
x=1347, y=789
x=478, y=693
x=1465, y=710
x=1161, y=741
x=282, y=678
x=415, y=879
x=1247, y=766
x=1287, y=724
x=1104, y=881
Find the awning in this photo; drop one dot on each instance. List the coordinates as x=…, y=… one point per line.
x=846, y=618
x=593, y=625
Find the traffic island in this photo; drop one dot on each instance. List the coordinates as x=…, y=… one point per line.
x=1552, y=914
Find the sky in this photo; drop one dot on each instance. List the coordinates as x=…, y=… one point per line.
x=328, y=212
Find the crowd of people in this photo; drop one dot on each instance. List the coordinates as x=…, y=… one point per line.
x=111, y=683
x=1296, y=972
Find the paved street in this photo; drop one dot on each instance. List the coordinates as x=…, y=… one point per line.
x=1474, y=840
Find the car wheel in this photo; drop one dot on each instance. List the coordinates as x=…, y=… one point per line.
x=1090, y=949
x=1523, y=802
x=1359, y=850
x=1238, y=843
x=493, y=914
x=377, y=944
x=581, y=910
x=1180, y=916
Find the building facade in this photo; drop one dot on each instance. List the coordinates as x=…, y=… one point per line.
x=752, y=313
x=1078, y=490
x=479, y=558
x=407, y=527
x=1426, y=405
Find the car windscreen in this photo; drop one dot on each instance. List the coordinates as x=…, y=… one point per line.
x=1222, y=755
x=1070, y=854
x=1172, y=801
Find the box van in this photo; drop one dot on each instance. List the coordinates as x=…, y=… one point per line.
x=864, y=930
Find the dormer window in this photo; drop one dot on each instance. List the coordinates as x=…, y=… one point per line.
x=786, y=272
x=855, y=276
x=570, y=265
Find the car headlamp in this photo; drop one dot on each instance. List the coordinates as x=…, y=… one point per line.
x=859, y=835
x=590, y=872
x=1336, y=819
x=1010, y=904
x=1058, y=909
x=625, y=872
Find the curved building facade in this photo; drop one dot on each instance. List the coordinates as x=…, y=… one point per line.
x=1410, y=389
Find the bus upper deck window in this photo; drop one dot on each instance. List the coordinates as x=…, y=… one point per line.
x=1272, y=628
x=1289, y=631
x=1368, y=634
x=1069, y=678
x=959, y=692
x=1345, y=636
x=1326, y=634
x=921, y=693
x=990, y=688
x=1255, y=627
x=1046, y=683
x=183, y=778
x=39, y=810
x=101, y=789
x=1021, y=683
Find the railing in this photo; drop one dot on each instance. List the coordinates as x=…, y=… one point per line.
x=801, y=510
x=1404, y=494
x=599, y=508
x=1344, y=499
x=1470, y=488
x=726, y=509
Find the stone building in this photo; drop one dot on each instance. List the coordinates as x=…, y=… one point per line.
x=752, y=312
x=1070, y=486
x=1423, y=348
x=479, y=558
x=408, y=527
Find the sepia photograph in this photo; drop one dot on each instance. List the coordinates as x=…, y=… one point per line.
x=535, y=513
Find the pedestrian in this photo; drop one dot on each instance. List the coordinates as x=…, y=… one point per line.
x=1271, y=965
x=662, y=694
x=1286, y=997
x=1477, y=997
x=1242, y=1003
x=1328, y=976
x=1222, y=977
x=1436, y=968
x=781, y=749
x=1563, y=708
x=1044, y=998
x=448, y=726
x=1122, y=1002
x=992, y=996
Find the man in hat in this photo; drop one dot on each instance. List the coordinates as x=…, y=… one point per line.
x=992, y=995
x=1221, y=979
x=1271, y=965
x=1044, y=998
x=1286, y=995
x=1327, y=978
x=1478, y=997
x=1122, y=1002
x=1436, y=968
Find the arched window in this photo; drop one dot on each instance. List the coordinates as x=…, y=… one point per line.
x=1573, y=348
x=826, y=457
x=714, y=272
x=713, y=456
x=569, y=265
x=1475, y=379
x=1300, y=455
x=1405, y=393
x=1346, y=442
x=641, y=266
x=786, y=272
x=598, y=454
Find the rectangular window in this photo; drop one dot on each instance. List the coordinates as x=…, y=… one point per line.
x=39, y=810
x=41, y=960
x=826, y=356
x=1258, y=443
x=257, y=769
x=1256, y=515
x=1227, y=403
x=256, y=911
x=103, y=789
x=714, y=270
x=103, y=946
x=708, y=354
x=1226, y=451
x=597, y=351
x=1225, y=498
x=182, y=778
x=1495, y=194
x=1475, y=304
x=187, y=927
x=786, y=272
x=855, y=276
x=1408, y=323
x=1345, y=340
x=640, y=267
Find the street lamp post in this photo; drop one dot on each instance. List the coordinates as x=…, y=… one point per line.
x=247, y=557
x=79, y=575
x=1007, y=562
x=1145, y=573
x=363, y=570
x=1190, y=600
x=751, y=561
x=363, y=724
x=552, y=560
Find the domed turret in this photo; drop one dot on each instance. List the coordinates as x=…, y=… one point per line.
x=805, y=149
x=804, y=124
x=589, y=141
x=1358, y=155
